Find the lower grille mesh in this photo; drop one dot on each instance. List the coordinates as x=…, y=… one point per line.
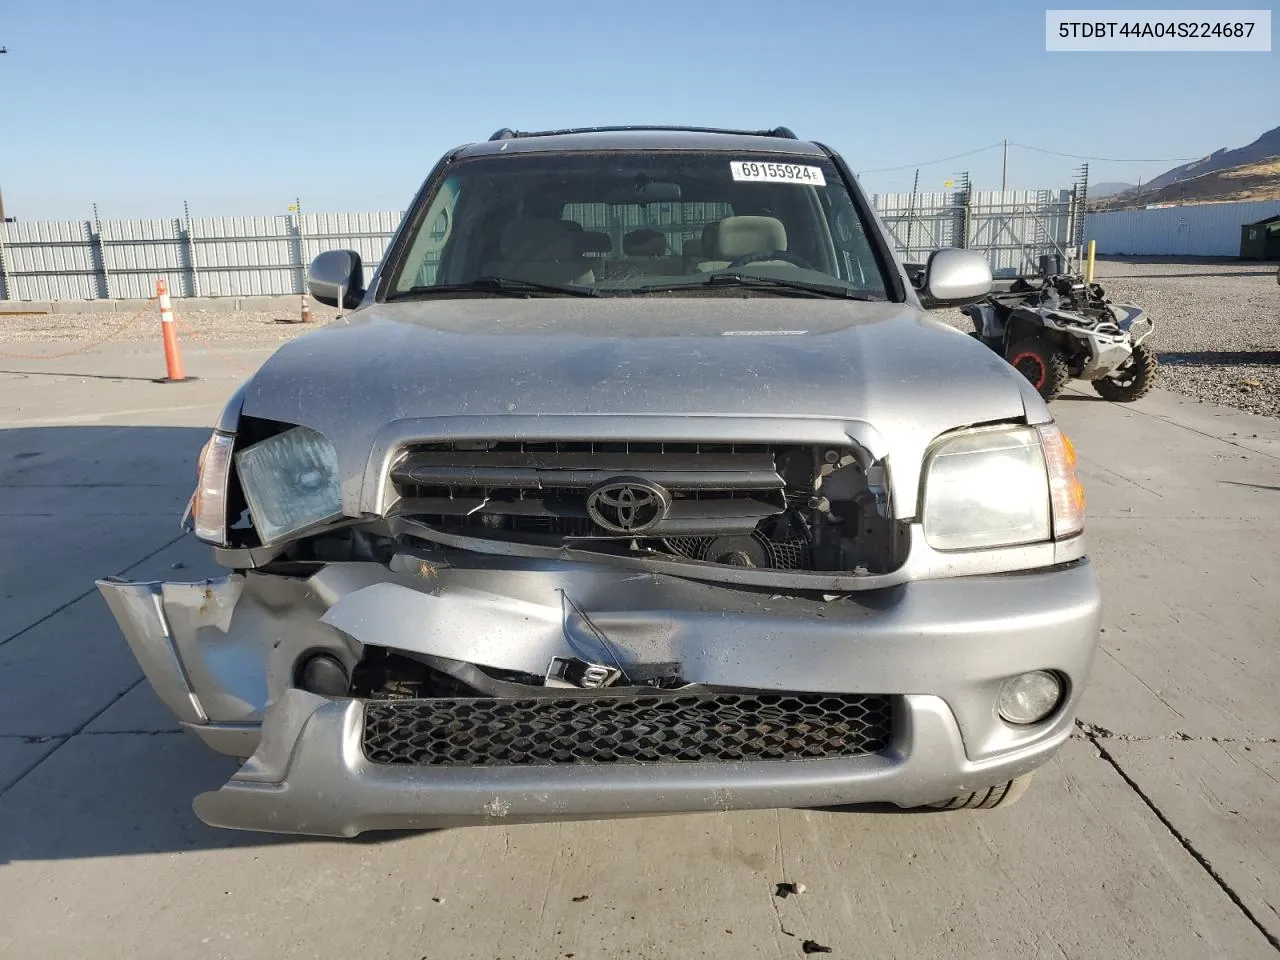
x=668, y=728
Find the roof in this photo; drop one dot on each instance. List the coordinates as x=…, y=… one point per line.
x=643, y=138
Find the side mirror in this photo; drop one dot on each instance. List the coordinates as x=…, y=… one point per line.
x=336, y=279
x=954, y=277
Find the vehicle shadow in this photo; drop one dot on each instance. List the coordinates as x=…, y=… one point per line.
x=1078, y=396
x=90, y=764
x=121, y=378
x=107, y=795
x=1221, y=358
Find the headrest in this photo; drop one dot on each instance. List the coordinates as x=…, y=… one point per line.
x=692, y=247
x=740, y=236
x=538, y=239
x=644, y=243
x=594, y=241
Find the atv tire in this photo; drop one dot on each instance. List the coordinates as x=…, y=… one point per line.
x=1042, y=364
x=1132, y=381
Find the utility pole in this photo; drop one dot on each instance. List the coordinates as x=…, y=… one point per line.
x=1004, y=168
x=911, y=211
x=2, y=217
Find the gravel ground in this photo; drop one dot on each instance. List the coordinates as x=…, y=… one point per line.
x=224, y=329
x=1217, y=326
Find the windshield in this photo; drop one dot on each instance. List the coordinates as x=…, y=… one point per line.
x=640, y=222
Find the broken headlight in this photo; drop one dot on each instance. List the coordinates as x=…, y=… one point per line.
x=986, y=488
x=290, y=482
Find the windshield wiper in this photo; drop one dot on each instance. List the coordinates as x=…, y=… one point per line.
x=749, y=282
x=502, y=286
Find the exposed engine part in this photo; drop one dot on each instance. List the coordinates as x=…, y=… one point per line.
x=761, y=506
x=579, y=674
x=753, y=550
x=384, y=674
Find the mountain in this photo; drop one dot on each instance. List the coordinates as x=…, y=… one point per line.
x=1245, y=173
x=1109, y=189
x=1267, y=145
x=1246, y=181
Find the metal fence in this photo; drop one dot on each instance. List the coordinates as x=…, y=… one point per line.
x=198, y=257
x=247, y=256
x=1013, y=227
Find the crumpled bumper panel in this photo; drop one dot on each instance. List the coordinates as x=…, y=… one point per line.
x=222, y=655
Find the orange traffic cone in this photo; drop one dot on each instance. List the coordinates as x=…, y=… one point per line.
x=172, y=355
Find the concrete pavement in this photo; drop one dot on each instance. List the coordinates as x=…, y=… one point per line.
x=1155, y=834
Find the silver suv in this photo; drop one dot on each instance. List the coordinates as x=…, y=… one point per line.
x=637, y=480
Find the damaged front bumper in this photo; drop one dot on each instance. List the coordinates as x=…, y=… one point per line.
x=224, y=656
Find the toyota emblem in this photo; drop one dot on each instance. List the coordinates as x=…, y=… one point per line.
x=628, y=505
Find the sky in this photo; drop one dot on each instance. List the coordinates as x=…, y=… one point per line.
x=240, y=107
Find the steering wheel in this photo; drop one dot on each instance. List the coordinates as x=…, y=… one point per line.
x=760, y=255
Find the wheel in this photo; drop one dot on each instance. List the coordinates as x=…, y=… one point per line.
x=1041, y=363
x=1002, y=795
x=1132, y=380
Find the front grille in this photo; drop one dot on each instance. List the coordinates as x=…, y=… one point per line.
x=517, y=486
x=666, y=728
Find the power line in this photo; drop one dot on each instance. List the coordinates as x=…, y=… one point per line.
x=1027, y=146
x=1077, y=156
x=928, y=163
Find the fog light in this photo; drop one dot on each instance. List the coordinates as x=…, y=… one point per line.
x=324, y=675
x=1029, y=697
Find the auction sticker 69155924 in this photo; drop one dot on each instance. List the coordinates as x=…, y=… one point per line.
x=769, y=172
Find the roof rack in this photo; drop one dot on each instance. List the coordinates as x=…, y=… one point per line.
x=506, y=133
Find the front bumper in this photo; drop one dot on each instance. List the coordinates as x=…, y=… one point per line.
x=222, y=655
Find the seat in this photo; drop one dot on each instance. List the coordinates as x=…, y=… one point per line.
x=644, y=255
x=710, y=249
x=644, y=243
x=541, y=250
x=594, y=241
x=735, y=237
x=691, y=253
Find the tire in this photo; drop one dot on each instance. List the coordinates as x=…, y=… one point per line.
x=1042, y=364
x=1132, y=381
x=1002, y=795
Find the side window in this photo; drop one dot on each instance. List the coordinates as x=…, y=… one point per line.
x=437, y=228
x=856, y=257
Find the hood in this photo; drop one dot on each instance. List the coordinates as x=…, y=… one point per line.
x=887, y=364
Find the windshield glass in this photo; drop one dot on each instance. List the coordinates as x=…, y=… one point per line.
x=640, y=222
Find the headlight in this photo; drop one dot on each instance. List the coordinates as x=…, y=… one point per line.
x=996, y=487
x=290, y=482
x=209, y=503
